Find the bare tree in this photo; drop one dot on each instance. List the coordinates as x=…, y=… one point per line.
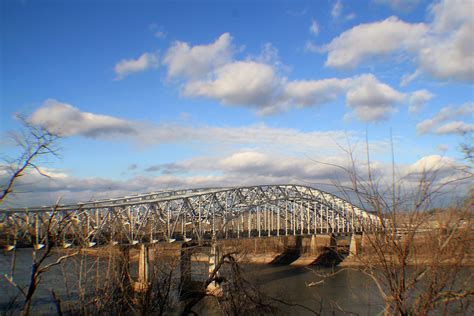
x=33, y=142
x=41, y=252
x=416, y=259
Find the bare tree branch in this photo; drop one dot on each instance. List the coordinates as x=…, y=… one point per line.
x=34, y=143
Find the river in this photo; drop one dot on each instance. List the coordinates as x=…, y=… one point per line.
x=347, y=290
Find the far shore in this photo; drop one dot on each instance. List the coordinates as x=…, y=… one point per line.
x=268, y=258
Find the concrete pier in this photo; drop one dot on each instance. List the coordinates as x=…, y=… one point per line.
x=185, y=265
x=214, y=257
x=355, y=245
x=143, y=278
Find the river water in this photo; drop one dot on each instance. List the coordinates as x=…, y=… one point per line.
x=348, y=290
x=343, y=291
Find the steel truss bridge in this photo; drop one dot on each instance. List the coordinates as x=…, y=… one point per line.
x=198, y=214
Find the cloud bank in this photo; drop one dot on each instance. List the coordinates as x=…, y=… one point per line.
x=245, y=167
x=447, y=121
x=66, y=120
x=211, y=71
x=442, y=48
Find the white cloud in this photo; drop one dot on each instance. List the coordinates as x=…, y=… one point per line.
x=210, y=71
x=432, y=163
x=242, y=167
x=447, y=53
x=407, y=78
x=314, y=28
x=197, y=61
x=370, y=99
x=316, y=92
x=439, y=124
x=418, y=99
x=285, y=169
x=455, y=127
x=451, y=14
x=239, y=83
x=336, y=9
x=309, y=46
x=372, y=39
x=268, y=55
x=258, y=86
x=442, y=48
x=373, y=100
x=245, y=162
x=129, y=66
x=350, y=16
x=260, y=135
x=66, y=120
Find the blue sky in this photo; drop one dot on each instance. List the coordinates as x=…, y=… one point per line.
x=155, y=94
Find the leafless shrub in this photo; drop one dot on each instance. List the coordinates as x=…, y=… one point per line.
x=417, y=260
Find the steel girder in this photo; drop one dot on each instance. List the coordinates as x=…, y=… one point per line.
x=219, y=213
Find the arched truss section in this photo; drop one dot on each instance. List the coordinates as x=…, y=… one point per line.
x=237, y=212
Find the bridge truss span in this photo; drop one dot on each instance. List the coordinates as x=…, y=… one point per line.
x=199, y=214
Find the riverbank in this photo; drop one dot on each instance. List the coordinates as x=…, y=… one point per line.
x=173, y=251
x=361, y=261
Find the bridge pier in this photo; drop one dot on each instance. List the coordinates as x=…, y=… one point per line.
x=365, y=243
x=214, y=257
x=185, y=266
x=355, y=245
x=122, y=266
x=187, y=283
x=142, y=283
x=321, y=243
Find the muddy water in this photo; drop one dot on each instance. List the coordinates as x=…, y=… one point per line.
x=348, y=290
